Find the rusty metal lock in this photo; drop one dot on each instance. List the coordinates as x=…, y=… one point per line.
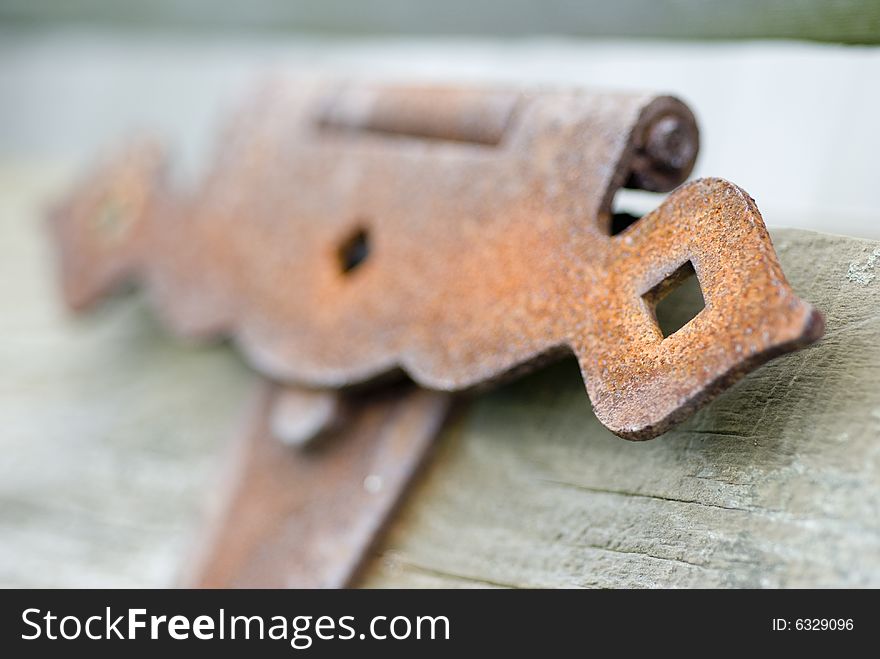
x=459, y=235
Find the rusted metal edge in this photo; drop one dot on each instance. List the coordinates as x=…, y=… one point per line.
x=308, y=518
x=461, y=235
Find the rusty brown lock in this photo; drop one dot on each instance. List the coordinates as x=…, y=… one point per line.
x=461, y=235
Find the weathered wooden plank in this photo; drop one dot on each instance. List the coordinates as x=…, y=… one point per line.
x=110, y=431
x=851, y=21
x=777, y=483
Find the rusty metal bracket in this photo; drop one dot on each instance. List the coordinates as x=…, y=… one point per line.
x=308, y=518
x=461, y=235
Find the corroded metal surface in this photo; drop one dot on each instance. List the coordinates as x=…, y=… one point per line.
x=300, y=416
x=460, y=235
x=307, y=518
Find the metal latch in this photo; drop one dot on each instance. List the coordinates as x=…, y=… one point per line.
x=461, y=236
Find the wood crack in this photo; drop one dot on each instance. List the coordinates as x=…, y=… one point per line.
x=444, y=574
x=636, y=552
x=640, y=495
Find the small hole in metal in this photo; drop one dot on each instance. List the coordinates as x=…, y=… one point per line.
x=628, y=207
x=112, y=221
x=676, y=300
x=622, y=221
x=354, y=251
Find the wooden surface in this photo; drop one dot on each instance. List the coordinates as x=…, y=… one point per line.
x=851, y=21
x=112, y=431
x=109, y=430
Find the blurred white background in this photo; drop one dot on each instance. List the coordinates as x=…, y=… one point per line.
x=793, y=123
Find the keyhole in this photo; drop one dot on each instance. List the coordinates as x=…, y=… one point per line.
x=354, y=251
